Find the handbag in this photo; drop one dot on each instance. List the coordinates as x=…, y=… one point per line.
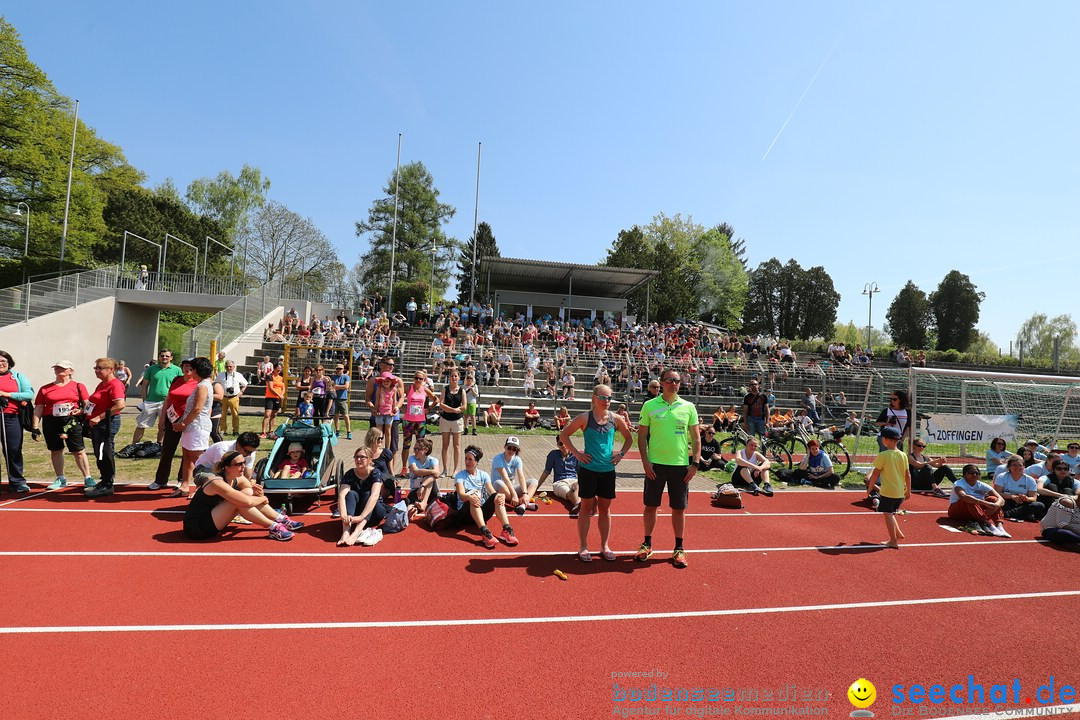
x=436, y=513
x=727, y=496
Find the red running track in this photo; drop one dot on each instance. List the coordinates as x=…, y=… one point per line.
x=531, y=669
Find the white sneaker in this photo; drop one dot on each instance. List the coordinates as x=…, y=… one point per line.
x=365, y=536
x=1000, y=531
x=376, y=536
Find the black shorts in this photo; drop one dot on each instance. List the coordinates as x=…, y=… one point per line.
x=272, y=404
x=463, y=514
x=200, y=526
x=596, y=484
x=52, y=427
x=889, y=505
x=672, y=476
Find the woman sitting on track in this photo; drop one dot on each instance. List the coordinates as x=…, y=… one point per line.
x=1020, y=492
x=976, y=502
x=753, y=468
x=927, y=472
x=424, y=474
x=1061, y=524
x=358, y=499
x=475, y=497
x=227, y=493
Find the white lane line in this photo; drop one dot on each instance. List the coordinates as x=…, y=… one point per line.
x=548, y=516
x=25, y=497
x=528, y=620
x=361, y=553
x=1028, y=711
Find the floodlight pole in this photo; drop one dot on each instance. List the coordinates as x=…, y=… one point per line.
x=869, y=289
x=185, y=242
x=475, y=224
x=18, y=208
x=393, y=232
x=67, y=202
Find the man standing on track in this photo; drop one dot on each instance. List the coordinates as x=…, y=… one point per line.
x=155, y=383
x=755, y=411
x=669, y=440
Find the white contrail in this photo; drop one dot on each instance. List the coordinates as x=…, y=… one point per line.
x=809, y=85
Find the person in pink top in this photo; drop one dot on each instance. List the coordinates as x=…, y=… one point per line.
x=388, y=400
x=417, y=397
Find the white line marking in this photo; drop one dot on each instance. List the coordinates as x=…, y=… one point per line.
x=528, y=620
x=536, y=516
x=360, y=553
x=1027, y=711
x=25, y=497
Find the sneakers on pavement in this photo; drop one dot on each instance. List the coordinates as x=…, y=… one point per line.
x=644, y=553
x=678, y=558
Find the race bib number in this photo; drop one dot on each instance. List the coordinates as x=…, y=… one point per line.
x=89, y=412
x=170, y=412
x=317, y=392
x=415, y=410
x=62, y=409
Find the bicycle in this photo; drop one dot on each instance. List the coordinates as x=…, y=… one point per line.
x=798, y=437
x=775, y=451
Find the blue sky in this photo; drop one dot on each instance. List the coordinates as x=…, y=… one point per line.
x=936, y=136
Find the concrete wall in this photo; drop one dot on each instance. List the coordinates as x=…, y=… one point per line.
x=133, y=337
x=81, y=335
x=252, y=340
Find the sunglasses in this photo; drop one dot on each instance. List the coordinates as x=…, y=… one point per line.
x=673, y=381
x=603, y=398
x=237, y=463
x=362, y=457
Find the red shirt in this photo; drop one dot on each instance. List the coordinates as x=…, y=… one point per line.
x=60, y=400
x=103, y=397
x=8, y=383
x=176, y=401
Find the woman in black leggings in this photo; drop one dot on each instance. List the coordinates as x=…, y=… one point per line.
x=928, y=472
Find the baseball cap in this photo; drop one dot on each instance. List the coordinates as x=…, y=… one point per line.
x=890, y=432
x=513, y=440
x=1031, y=442
x=64, y=364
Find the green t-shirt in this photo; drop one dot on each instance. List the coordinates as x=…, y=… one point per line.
x=669, y=425
x=158, y=380
x=893, y=465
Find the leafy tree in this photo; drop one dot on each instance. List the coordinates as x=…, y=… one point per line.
x=280, y=243
x=420, y=234
x=229, y=199
x=955, y=305
x=1036, y=336
x=35, y=143
x=909, y=317
x=789, y=302
x=151, y=215
x=699, y=274
x=485, y=247
x=722, y=286
x=983, y=346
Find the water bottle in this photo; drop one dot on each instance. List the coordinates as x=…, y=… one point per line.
x=397, y=494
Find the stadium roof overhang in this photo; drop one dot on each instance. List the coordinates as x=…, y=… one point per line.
x=553, y=277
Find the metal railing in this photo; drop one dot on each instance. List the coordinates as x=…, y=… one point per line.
x=339, y=297
x=184, y=283
x=234, y=321
x=35, y=298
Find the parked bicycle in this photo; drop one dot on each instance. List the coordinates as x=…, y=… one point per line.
x=775, y=451
x=796, y=439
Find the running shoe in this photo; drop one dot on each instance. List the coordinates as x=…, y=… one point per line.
x=1000, y=531
x=100, y=491
x=58, y=483
x=293, y=525
x=373, y=538
x=489, y=540
x=89, y=483
x=644, y=553
x=335, y=512
x=575, y=510
x=364, y=538
x=348, y=436
x=678, y=558
x=767, y=490
x=520, y=509
x=508, y=537
x=754, y=489
x=532, y=507
x=156, y=486
x=985, y=529
x=939, y=493
x=241, y=520
x=22, y=488
x=280, y=532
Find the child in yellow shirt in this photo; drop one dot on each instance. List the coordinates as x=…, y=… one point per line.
x=891, y=467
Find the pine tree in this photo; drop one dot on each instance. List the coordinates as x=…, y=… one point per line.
x=485, y=247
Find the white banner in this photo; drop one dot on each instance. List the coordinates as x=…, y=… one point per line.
x=946, y=428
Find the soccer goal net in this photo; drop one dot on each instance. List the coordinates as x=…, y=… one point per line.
x=959, y=412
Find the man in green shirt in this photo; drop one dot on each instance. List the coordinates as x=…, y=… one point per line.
x=669, y=440
x=155, y=384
